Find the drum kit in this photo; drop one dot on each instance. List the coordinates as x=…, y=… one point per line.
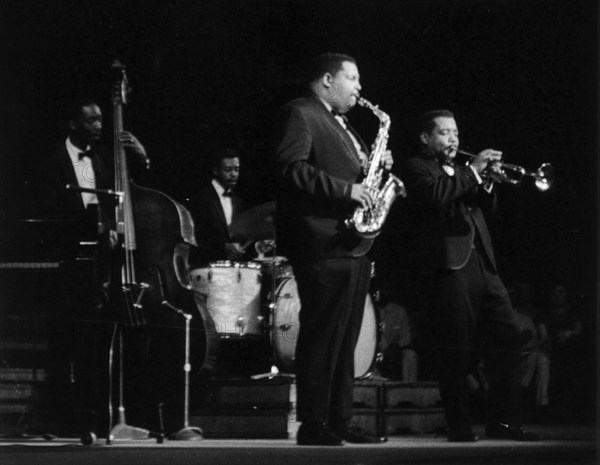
x=259, y=299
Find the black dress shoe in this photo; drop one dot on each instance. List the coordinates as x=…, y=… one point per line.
x=462, y=436
x=356, y=435
x=317, y=434
x=504, y=431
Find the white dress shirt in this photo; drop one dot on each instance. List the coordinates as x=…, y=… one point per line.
x=362, y=155
x=488, y=186
x=226, y=201
x=84, y=172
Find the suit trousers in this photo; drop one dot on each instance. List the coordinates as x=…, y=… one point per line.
x=332, y=296
x=476, y=320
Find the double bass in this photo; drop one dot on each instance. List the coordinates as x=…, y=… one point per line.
x=155, y=237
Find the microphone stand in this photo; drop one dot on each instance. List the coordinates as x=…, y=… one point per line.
x=95, y=191
x=187, y=433
x=121, y=430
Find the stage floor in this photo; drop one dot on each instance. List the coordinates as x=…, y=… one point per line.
x=561, y=445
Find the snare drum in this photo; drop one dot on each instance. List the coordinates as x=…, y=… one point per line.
x=274, y=268
x=286, y=325
x=232, y=293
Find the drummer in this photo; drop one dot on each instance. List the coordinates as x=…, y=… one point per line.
x=214, y=209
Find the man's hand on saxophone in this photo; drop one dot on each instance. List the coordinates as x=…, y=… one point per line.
x=361, y=195
x=386, y=159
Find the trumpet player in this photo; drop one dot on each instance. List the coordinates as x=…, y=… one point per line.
x=458, y=279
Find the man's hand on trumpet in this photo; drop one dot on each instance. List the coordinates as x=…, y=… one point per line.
x=487, y=158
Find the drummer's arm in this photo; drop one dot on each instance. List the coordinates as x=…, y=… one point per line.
x=233, y=251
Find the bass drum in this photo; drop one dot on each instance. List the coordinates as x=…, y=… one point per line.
x=286, y=325
x=365, y=352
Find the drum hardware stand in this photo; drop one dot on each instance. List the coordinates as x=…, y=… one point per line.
x=187, y=433
x=274, y=373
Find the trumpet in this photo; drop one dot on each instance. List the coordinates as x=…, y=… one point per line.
x=514, y=174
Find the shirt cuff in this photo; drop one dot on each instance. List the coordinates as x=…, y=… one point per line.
x=487, y=186
x=479, y=180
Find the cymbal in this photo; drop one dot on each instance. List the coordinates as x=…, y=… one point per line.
x=255, y=224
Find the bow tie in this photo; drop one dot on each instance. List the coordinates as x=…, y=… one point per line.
x=228, y=193
x=448, y=168
x=87, y=153
x=335, y=113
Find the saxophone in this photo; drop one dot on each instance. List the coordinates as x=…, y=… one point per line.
x=383, y=185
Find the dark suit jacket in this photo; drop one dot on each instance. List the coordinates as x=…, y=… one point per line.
x=210, y=225
x=54, y=200
x=446, y=215
x=316, y=165
x=57, y=171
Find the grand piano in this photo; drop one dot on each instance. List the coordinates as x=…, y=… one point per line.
x=48, y=303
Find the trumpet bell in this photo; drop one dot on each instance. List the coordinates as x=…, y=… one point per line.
x=544, y=177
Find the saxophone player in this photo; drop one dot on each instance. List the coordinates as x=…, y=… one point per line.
x=320, y=161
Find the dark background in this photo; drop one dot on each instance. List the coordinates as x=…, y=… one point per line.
x=521, y=76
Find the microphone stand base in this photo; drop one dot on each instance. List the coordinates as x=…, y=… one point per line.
x=125, y=431
x=274, y=373
x=189, y=433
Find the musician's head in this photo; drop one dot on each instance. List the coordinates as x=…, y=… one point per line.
x=85, y=121
x=226, y=167
x=439, y=134
x=334, y=78
x=558, y=296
